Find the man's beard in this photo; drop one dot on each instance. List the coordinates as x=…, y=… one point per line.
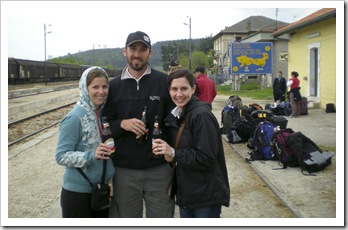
x=138, y=67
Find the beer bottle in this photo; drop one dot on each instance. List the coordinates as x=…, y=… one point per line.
x=143, y=138
x=107, y=135
x=156, y=133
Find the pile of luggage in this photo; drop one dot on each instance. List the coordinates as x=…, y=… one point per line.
x=266, y=133
x=239, y=121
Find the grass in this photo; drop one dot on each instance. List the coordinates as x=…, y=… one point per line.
x=252, y=91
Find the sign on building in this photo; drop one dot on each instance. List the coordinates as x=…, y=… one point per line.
x=283, y=56
x=251, y=58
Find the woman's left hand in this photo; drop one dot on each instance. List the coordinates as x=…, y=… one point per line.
x=160, y=147
x=102, y=152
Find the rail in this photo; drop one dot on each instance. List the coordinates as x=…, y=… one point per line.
x=33, y=117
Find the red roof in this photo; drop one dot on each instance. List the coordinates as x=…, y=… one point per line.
x=306, y=21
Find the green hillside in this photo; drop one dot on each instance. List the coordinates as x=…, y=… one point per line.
x=163, y=53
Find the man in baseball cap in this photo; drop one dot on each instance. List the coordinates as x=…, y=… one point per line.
x=138, y=86
x=138, y=36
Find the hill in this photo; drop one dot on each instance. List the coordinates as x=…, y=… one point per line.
x=113, y=57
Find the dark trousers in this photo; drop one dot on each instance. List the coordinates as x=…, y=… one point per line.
x=77, y=205
x=213, y=211
x=279, y=96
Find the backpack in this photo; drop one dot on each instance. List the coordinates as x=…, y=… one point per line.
x=243, y=127
x=284, y=155
x=330, y=108
x=310, y=156
x=233, y=136
x=238, y=129
x=234, y=101
x=262, y=140
x=258, y=116
x=229, y=115
x=254, y=106
x=287, y=109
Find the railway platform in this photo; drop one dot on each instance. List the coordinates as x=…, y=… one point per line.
x=63, y=94
x=39, y=90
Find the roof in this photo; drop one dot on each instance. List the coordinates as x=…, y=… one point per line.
x=311, y=19
x=252, y=24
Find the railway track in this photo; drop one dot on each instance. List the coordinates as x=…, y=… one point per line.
x=28, y=127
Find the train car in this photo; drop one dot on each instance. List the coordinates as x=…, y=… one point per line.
x=111, y=72
x=69, y=71
x=27, y=71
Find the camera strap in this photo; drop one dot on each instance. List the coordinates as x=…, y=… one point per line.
x=84, y=175
x=181, y=129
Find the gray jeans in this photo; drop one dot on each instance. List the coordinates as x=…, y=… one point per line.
x=135, y=188
x=295, y=106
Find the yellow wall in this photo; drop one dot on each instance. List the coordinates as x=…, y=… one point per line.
x=299, y=58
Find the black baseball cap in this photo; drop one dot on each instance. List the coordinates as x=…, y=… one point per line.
x=174, y=63
x=138, y=36
x=199, y=69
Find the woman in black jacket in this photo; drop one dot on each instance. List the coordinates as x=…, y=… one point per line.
x=198, y=159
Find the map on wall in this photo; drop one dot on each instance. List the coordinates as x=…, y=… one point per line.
x=251, y=58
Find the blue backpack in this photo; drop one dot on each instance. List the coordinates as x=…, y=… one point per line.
x=262, y=141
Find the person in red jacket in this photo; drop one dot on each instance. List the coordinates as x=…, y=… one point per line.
x=206, y=87
x=295, y=95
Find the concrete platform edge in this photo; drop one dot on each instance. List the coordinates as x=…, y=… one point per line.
x=273, y=187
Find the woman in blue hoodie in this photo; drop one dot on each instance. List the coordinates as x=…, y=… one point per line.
x=80, y=146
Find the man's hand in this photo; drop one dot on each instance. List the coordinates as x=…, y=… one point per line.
x=134, y=125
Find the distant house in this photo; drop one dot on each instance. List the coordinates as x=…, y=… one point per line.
x=248, y=27
x=312, y=53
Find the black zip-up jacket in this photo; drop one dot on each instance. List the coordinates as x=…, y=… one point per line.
x=201, y=172
x=279, y=85
x=126, y=100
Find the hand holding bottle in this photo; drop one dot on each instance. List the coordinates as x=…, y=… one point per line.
x=102, y=152
x=107, y=136
x=160, y=147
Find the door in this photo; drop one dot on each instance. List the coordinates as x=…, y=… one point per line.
x=313, y=73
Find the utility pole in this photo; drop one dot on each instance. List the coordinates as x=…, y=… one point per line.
x=190, y=51
x=45, y=77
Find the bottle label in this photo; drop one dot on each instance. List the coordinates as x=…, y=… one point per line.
x=111, y=144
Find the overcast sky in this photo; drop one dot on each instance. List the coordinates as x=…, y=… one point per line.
x=81, y=25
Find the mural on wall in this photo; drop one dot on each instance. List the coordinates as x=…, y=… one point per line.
x=251, y=58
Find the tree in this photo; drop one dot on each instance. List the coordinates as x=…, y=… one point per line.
x=199, y=58
x=205, y=45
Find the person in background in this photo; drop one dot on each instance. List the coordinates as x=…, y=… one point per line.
x=174, y=65
x=140, y=176
x=79, y=146
x=199, y=159
x=279, y=88
x=295, y=95
x=206, y=87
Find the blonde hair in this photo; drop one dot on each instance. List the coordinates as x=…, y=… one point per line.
x=173, y=68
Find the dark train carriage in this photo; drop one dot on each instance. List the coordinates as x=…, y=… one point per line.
x=111, y=72
x=25, y=71
x=13, y=71
x=69, y=71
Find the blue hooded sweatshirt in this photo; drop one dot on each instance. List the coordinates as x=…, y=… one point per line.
x=78, y=140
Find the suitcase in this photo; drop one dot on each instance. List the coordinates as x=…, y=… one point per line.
x=280, y=121
x=304, y=106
